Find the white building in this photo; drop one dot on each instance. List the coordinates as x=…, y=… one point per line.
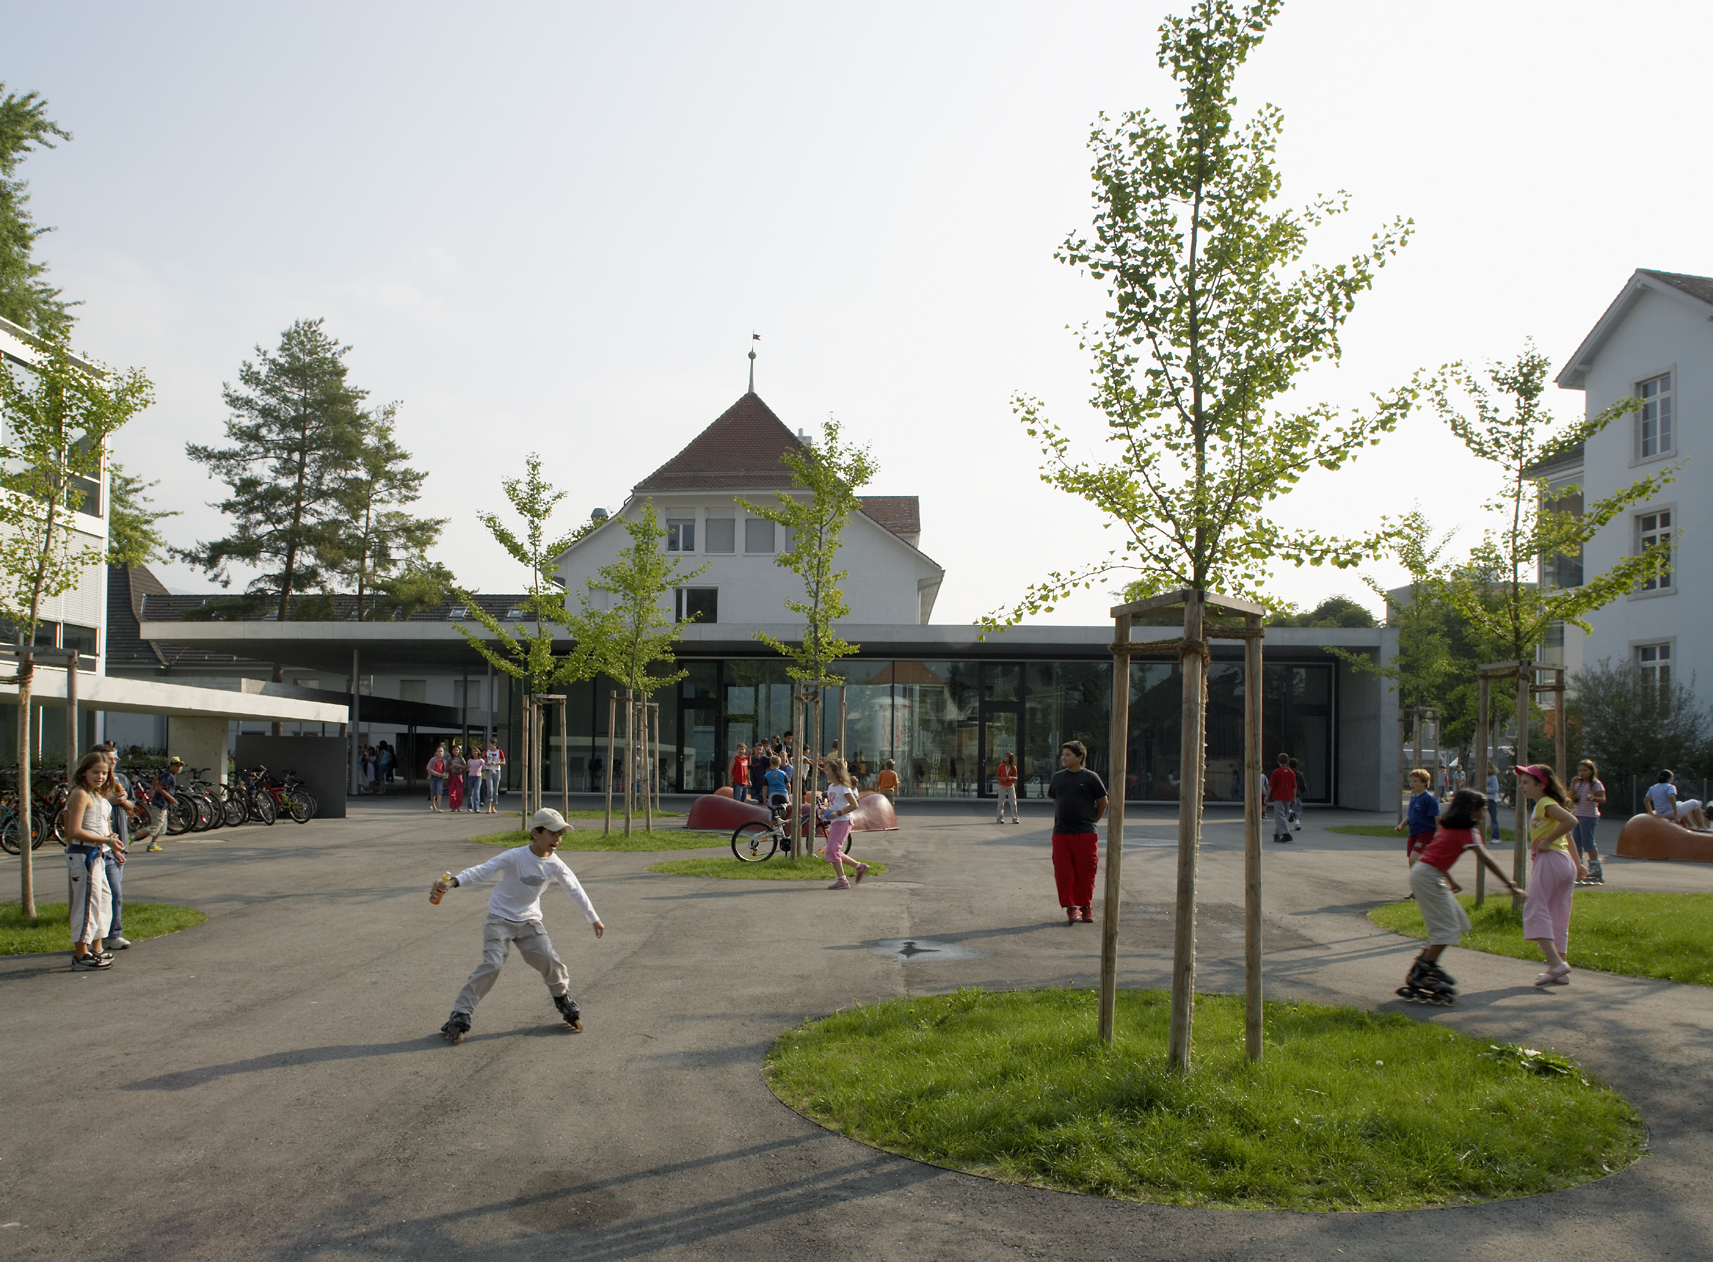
x=697, y=493
x=1655, y=344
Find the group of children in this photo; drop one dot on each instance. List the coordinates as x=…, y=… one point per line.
x=1438, y=840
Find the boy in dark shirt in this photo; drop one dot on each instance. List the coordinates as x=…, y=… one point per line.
x=161, y=800
x=1079, y=801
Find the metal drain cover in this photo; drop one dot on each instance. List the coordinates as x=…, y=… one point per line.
x=924, y=950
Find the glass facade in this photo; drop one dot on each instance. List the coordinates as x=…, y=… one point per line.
x=946, y=724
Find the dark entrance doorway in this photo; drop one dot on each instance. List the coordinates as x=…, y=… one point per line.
x=1001, y=734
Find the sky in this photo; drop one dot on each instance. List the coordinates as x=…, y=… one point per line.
x=553, y=228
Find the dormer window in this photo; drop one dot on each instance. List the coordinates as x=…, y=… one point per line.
x=458, y=611
x=680, y=534
x=512, y=615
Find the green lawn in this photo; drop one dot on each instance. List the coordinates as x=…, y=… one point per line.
x=1668, y=936
x=778, y=868
x=618, y=814
x=1386, y=830
x=50, y=928
x=584, y=839
x=1351, y=1110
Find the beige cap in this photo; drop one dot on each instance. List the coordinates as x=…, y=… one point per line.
x=549, y=819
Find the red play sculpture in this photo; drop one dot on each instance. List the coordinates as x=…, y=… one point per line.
x=721, y=814
x=1654, y=837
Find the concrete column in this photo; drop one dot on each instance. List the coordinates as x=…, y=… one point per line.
x=201, y=742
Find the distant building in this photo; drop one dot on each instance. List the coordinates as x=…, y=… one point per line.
x=1655, y=344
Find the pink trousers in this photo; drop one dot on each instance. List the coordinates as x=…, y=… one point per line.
x=837, y=833
x=1546, y=905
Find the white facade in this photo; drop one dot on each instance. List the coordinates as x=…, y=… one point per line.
x=888, y=581
x=76, y=618
x=1655, y=340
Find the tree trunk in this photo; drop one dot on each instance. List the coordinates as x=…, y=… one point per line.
x=26, y=884
x=1190, y=764
x=1519, y=851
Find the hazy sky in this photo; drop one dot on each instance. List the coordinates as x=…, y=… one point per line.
x=552, y=228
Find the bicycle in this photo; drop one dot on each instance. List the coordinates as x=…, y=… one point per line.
x=290, y=796
x=755, y=841
x=259, y=803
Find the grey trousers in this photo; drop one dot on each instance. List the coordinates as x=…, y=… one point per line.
x=498, y=934
x=1007, y=793
x=1281, y=819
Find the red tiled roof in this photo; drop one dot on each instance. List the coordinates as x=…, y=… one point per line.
x=901, y=514
x=741, y=450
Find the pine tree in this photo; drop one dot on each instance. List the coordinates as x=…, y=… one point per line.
x=379, y=538
x=295, y=431
x=25, y=298
x=133, y=537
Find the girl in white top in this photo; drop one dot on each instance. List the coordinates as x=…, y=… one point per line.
x=89, y=830
x=841, y=802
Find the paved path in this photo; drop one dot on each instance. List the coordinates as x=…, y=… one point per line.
x=270, y=1085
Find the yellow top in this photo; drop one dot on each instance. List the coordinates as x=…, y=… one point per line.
x=1540, y=824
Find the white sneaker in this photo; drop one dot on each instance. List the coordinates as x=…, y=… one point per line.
x=117, y=944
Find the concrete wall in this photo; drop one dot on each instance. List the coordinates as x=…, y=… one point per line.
x=321, y=762
x=1367, y=727
x=1662, y=333
x=201, y=742
x=884, y=584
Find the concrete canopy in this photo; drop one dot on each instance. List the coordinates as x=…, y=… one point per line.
x=147, y=696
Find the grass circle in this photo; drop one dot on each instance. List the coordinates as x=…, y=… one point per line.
x=1351, y=1110
x=778, y=868
x=1665, y=936
x=50, y=928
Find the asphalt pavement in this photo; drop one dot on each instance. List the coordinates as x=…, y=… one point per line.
x=271, y=1085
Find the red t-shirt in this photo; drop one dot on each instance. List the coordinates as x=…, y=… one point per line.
x=740, y=769
x=1282, y=785
x=1447, y=847
x=1008, y=773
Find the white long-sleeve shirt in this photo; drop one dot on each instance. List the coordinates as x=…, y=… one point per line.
x=522, y=876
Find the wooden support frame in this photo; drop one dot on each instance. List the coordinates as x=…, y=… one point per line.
x=1192, y=647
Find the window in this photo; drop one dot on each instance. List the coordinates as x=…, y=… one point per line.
x=1653, y=423
x=83, y=495
x=413, y=690
x=1655, y=663
x=1561, y=570
x=698, y=604
x=47, y=635
x=757, y=535
x=681, y=534
x=721, y=535
x=1653, y=530
x=82, y=639
x=474, y=694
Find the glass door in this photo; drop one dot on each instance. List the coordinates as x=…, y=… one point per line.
x=1001, y=730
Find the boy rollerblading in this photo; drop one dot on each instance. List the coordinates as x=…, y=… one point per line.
x=514, y=916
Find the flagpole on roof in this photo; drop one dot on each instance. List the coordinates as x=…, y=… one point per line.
x=753, y=339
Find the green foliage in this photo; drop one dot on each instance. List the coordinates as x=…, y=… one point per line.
x=59, y=415
x=50, y=928
x=832, y=474
x=379, y=537
x=1334, y=611
x=1351, y=1110
x=1666, y=936
x=779, y=868
x=1516, y=436
x=133, y=535
x=1630, y=726
x=525, y=654
x=295, y=431
x=1213, y=316
x=636, y=843
x=416, y=588
x=25, y=298
x=634, y=632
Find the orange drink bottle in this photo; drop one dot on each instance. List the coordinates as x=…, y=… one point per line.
x=434, y=894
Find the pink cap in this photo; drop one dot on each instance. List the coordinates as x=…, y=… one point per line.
x=1537, y=771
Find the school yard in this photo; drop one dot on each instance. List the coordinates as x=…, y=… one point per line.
x=270, y=1085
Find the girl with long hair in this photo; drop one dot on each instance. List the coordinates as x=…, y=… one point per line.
x=1553, y=878
x=88, y=833
x=1587, y=796
x=841, y=802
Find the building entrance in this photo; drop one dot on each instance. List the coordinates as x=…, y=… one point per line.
x=1001, y=734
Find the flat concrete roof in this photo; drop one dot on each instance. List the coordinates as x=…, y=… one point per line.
x=148, y=696
x=328, y=645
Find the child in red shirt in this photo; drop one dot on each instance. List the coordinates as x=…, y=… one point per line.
x=1460, y=829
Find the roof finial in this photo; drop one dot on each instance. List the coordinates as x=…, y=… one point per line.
x=753, y=338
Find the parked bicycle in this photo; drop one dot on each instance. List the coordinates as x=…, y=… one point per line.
x=756, y=841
